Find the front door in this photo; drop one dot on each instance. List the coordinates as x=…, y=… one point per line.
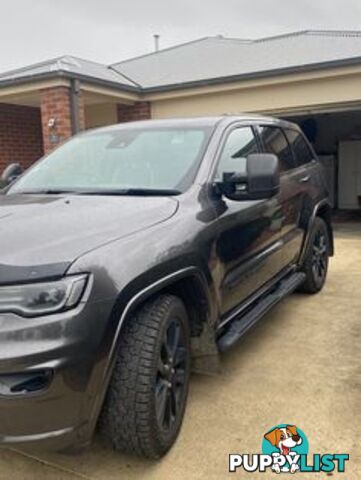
x=248, y=246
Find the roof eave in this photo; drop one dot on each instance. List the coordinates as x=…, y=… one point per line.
x=69, y=76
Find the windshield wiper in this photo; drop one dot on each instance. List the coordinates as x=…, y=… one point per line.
x=124, y=191
x=49, y=191
x=134, y=192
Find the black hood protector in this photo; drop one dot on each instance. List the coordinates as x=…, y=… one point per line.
x=41, y=235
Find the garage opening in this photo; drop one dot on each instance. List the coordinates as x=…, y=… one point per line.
x=336, y=137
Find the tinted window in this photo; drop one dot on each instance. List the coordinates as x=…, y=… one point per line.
x=300, y=148
x=275, y=142
x=239, y=144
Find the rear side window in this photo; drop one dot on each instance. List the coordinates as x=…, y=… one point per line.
x=240, y=143
x=299, y=146
x=274, y=141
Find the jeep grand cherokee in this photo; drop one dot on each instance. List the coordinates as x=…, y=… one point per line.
x=136, y=251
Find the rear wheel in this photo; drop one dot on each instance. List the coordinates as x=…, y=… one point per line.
x=145, y=404
x=316, y=260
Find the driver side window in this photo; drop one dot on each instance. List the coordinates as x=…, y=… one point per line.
x=240, y=143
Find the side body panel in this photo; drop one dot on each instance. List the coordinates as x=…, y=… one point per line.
x=248, y=248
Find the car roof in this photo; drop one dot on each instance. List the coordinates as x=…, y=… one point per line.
x=193, y=122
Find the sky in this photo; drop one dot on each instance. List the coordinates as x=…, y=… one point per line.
x=108, y=31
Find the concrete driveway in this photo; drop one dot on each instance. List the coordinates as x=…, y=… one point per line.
x=301, y=365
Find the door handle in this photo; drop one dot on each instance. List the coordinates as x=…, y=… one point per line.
x=305, y=179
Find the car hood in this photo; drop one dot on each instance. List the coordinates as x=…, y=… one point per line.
x=41, y=235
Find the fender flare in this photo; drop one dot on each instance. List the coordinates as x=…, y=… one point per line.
x=320, y=205
x=141, y=296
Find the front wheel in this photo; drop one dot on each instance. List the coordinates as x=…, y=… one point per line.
x=146, y=400
x=316, y=260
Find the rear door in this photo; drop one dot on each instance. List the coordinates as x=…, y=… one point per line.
x=306, y=179
x=293, y=181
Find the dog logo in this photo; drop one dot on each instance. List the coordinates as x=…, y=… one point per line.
x=285, y=439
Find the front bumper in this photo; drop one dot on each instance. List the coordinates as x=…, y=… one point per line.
x=69, y=350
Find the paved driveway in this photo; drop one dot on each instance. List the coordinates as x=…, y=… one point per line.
x=302, y=365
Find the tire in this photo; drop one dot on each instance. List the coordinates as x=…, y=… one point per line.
x=147, y=395
x=315, y=265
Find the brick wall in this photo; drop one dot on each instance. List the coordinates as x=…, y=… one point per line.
x=55, y=103
x=138, y=111
x=20, y=135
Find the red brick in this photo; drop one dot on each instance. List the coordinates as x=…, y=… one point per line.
x=20, y=135
x=137, y=111
x=55, y=103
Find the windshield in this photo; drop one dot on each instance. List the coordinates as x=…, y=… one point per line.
x=120, y=161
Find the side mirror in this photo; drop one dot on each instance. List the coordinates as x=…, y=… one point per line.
x=11, y=173
x=260, y=181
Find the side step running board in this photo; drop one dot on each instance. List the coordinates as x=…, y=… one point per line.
x=239, y=326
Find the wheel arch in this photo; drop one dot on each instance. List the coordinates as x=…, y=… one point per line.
x=189, y=284
x=322, y=210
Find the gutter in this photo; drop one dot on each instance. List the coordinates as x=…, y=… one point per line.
x=74, y=106
x=68, y=76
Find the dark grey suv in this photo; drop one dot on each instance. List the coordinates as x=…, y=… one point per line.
x=134, y=252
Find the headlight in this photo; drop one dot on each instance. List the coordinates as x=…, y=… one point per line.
x=42, y=298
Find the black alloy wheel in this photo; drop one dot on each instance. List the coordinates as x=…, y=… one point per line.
x=316, y=260
x=319, y=256
x=171, y=376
